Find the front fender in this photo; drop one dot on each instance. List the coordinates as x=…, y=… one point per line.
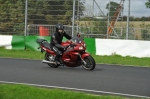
x=84, y=55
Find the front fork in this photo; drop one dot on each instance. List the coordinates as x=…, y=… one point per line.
x=84, y=55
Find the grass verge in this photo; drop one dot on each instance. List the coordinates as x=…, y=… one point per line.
x=9, y=91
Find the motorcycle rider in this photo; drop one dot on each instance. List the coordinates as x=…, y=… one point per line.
x=56, y=40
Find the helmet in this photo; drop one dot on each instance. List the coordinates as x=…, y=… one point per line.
x=59, y=27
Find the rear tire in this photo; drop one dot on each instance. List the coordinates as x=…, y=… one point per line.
x=47, y=57
x=90, y=63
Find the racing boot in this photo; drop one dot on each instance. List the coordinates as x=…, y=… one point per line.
x=58, y=61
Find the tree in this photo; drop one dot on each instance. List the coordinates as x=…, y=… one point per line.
x=113, y=8
x=147, y=4
x=13, y=14
x=61, y=11
x=100, y=26
x=37, y=10
x=145, y=31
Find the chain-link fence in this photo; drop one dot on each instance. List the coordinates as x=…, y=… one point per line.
x=115, y=19
x=45, y=30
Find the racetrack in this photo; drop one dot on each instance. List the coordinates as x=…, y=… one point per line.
x=104, y=79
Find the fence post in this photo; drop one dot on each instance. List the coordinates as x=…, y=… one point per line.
x=128, y=25
x=26, y=18
x=73, y=18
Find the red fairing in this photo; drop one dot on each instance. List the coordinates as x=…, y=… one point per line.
x=66, y=43
x=48, y=50
x=84, y=55
x=51, y=52
x=71, y=59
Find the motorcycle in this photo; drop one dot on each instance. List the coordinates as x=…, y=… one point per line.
x=73, y=56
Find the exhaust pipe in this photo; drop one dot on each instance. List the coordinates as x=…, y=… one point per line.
x=48, y=62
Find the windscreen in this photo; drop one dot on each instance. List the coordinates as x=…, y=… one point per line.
x=76, y=40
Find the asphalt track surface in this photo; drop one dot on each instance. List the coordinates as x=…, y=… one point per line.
x=104, y=79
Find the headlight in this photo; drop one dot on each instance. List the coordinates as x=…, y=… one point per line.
x=84, y=45
x=81, y=48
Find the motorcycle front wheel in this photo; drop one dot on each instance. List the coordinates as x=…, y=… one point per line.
x=90, y=63
x=48, y=57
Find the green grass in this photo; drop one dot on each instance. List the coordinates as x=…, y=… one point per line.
x=113, y=59
x=119, y=60
x=9, y=91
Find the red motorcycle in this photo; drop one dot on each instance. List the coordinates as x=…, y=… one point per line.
x=74, y=55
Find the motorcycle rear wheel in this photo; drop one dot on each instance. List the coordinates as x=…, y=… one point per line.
x=47, y=57
x=90, y=63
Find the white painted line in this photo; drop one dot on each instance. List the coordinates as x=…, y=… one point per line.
x=76, y=89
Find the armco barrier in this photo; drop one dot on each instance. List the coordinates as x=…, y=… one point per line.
x=18, y=42
x=5, y=41
x=12, y=42
x=29, y=42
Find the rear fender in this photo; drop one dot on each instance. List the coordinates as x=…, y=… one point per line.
x=84, y=55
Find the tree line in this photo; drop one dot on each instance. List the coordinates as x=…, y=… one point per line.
x=132, y=18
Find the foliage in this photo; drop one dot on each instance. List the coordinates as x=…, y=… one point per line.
x=11, y=15
x=12, y=18
x=37, y=9
x=147, y=4
x=62, y=11
x=145, y=30
x=143, y=18
x=100, y=27
x=113, y=7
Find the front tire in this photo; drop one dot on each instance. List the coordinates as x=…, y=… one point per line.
x=90, y=63
x=47, y=57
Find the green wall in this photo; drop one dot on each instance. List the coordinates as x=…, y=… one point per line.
x=18, y=42
x=29, y=42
